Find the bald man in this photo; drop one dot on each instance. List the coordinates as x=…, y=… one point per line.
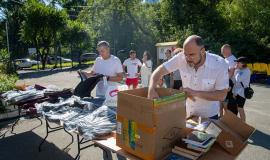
x=204, y=76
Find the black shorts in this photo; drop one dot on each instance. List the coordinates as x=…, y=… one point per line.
x=177, y=84
x=240, y=101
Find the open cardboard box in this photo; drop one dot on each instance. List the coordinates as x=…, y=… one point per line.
x=231, y=132
x=231, y=137
x=149, y=128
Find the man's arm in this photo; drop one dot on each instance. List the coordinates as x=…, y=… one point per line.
x=218, y=95
x=156, y=76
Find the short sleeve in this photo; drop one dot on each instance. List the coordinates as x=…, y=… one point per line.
x=177, y=62
x=94, y=68
x=125, y=63
x=222, y=81
x=119, y=68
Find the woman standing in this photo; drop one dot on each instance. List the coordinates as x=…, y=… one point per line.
x=146, y=69
x=241, y=81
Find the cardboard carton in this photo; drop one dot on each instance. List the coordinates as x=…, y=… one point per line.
x=148, y=128
x=232, y=134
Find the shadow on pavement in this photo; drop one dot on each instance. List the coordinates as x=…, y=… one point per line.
x=24, y=146
x=259, y=138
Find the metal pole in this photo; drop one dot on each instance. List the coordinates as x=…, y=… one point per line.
x=7, y=39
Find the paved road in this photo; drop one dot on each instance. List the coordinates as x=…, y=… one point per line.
x=24, y=144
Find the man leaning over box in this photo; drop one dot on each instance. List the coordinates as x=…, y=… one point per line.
x=204, y=76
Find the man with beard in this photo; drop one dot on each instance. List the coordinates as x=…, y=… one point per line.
x=204, y=76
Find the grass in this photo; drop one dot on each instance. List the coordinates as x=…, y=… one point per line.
x=69, y=64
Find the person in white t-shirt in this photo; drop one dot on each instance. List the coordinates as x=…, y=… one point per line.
x=226, y=51
x=204, y=76
x=107, y=65
x=241, y=80
x=146, y=69
x=132, y=64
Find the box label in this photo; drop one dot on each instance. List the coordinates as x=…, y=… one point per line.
x=213, y=130
x=119, y=128
x=229, y=144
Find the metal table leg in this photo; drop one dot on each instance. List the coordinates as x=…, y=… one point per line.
x=15, y=123
x=49, y=129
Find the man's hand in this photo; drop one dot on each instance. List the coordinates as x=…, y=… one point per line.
x=190, y=93
x=152, y=94
x=138, y=74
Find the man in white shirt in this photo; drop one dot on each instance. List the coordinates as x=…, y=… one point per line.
x=204, y=77
x=226, y=51
x=132, y=64
x=107, y=65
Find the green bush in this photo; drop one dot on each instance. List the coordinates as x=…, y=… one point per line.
x=7, y=82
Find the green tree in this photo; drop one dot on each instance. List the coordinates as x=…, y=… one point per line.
x=41, y=27
x=125, y=24
x=76, y=37
x=12, y=14
x=249, y=26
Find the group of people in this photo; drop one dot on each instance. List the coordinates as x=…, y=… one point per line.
x=239, y=79
x=212, y=83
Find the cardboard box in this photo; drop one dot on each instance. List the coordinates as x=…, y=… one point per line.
x=148, y=128
x=232, y=134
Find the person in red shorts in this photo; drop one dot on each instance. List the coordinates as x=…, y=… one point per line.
x=132, y=64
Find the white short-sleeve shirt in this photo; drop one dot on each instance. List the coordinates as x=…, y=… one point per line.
x=241, y=75
x=211, y=76
x=231, y=61
x=108, y=67
x=132, y=67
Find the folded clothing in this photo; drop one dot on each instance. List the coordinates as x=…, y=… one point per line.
x=16, y=96
x=93, y=125
x=47, y=106
x=66, y=109
x=56, y=93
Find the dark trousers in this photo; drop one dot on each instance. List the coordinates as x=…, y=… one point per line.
x=177, y=84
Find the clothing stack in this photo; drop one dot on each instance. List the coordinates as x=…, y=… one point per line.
x=194, y=145
x=86, y=116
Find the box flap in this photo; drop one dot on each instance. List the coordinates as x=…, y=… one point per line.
x=237, y=125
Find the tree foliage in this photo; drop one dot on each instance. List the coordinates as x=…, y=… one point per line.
x=41, y=26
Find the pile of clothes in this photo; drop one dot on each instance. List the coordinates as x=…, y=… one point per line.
x=28, y=96
x=77, y=113
x=86, y=116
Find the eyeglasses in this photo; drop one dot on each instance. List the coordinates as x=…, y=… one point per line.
x=192, y=55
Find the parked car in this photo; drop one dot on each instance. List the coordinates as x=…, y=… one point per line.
x=52, y=60
x=25, y=63
x=88, y=57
